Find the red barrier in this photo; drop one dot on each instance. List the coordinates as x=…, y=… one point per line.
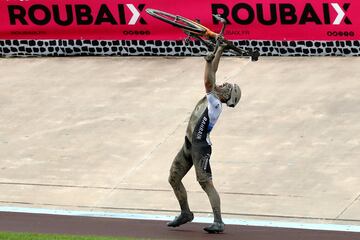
x=127, y=20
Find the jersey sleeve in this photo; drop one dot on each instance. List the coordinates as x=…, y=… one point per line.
x=214, y=109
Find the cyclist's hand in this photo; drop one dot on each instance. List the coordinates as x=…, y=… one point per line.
x=220, y=38
x=209, y=57
x=224, y=46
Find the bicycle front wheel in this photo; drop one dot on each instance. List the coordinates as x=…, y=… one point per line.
x=178, y=21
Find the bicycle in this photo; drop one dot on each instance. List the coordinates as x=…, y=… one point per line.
x=193, y=29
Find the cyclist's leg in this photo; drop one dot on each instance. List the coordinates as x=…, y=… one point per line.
x=214, y=199
x=179, y=168
x=201, y=158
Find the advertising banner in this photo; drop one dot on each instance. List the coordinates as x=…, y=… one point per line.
x=127, y=19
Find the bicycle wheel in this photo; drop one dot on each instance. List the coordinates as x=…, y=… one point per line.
x=178, y=21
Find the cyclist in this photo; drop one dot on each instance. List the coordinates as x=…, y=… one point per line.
x=197, y=147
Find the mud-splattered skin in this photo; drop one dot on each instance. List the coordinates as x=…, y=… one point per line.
x=195, y=116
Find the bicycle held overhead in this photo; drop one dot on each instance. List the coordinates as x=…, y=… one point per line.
x=195, y=30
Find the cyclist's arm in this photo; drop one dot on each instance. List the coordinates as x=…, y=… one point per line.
x=211, y=69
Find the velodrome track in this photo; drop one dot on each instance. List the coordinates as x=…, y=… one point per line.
x=99, y=134
x=150, y=229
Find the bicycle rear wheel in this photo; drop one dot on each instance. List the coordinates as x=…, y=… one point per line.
x=178, y=21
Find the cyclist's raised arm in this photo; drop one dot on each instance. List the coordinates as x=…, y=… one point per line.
x=212, y=64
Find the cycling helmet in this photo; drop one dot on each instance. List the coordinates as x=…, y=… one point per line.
x=234, y=96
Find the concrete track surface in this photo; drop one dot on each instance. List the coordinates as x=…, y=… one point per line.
x=99, y=134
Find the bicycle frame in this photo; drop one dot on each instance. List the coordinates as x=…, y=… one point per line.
x=208, y=33
x=197, y=31
x=214, y=43
x=214, y=37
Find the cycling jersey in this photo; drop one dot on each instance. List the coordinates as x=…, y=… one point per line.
x=208, y=119
x=214, y=109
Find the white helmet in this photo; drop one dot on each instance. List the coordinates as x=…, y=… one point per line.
x=235, y=96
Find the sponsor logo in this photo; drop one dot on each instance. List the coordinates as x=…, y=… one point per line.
x=201, y=128
x=283, y=13
x=205, y=161
x=340, y=34
x=136, y=32
x=81, y=14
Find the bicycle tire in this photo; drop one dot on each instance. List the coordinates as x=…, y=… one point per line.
x=178, y=21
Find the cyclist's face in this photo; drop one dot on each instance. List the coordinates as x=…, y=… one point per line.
x=226, y=85
x=224, y=91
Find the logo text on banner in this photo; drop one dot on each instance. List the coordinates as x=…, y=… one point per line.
x=82, y=14
x=285, y=13
x=127, y=19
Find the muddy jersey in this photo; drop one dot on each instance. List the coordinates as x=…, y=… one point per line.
x=203, y=119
